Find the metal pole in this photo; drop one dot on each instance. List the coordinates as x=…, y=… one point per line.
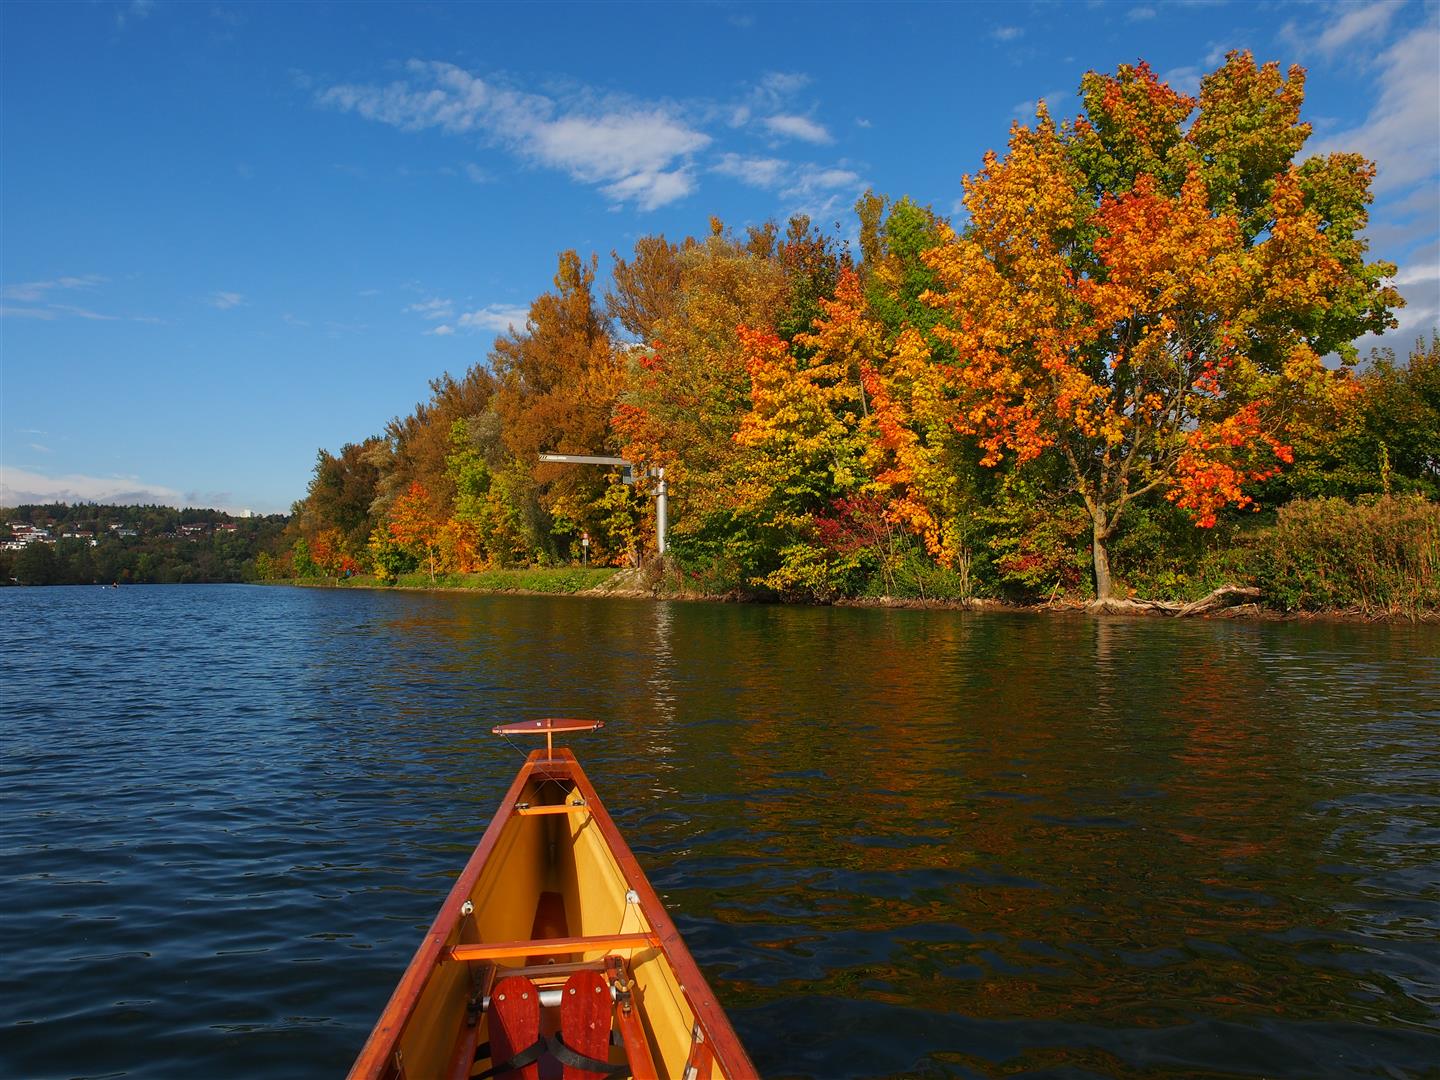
x=661, y=510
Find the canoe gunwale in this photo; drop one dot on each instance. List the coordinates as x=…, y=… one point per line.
x=379, y=1051
x=717, y=1040
x=720, y=1040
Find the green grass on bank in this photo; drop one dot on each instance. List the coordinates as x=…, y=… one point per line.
x=563, y=579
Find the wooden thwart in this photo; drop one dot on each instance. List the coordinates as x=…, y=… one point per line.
x=554, y=808
x=551, y=946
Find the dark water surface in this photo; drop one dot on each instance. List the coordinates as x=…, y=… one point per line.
x=899, y=843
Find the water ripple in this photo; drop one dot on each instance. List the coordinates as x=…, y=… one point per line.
x=922, y=844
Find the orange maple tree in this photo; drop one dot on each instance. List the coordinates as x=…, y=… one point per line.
x=414, y=525
x=1128, y=319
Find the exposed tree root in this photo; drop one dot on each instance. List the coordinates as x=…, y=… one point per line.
x=1223, y=597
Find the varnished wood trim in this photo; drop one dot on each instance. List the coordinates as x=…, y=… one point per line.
x=551, y=946
x=379, y=1050
x=555, y=808
x=724, y=1043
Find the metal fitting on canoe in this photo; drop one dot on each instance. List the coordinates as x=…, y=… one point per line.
x=548, y=998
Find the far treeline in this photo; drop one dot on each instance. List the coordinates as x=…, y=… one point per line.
x=129, y=545
x=1107, y=378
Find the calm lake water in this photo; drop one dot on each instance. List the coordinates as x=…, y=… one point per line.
x=899, y=843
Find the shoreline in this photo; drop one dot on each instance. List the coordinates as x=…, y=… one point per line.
x=1250, y=612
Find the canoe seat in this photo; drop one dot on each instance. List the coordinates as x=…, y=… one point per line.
x=516, y=1047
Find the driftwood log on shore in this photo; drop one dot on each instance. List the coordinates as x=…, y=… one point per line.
x=1221, y=598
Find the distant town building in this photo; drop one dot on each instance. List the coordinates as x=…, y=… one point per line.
x=23, y=534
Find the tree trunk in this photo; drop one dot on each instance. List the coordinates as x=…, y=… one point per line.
x=1103, y=586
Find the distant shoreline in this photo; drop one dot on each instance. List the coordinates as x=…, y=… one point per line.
x=629, y=588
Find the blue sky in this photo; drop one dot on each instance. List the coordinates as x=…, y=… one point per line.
x=233, y=233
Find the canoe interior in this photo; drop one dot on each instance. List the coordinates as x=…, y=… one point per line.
x=543, y=873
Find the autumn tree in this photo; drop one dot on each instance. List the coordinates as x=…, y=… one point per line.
x=894, y=237
x=558, y=383
x=928, y=470
x=647, y=288
x=413, y=524
x=486, y=526
x=1388, y=442
x=1151, y=302
x=341, y=493
x=689, y=387
x=419, y=444
x=803, y=444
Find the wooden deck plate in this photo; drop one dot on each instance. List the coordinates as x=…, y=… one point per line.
x=514, y=1025
x=551, y=724
x=585, y=1020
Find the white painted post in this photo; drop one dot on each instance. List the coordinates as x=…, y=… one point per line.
x=661, y=510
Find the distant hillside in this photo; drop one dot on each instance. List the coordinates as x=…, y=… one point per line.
x=60, y=544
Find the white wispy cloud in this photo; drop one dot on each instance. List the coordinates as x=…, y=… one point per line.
x=1399, y=131
x=792, y=126
x=791, y=179
x=443, y=330
x=634, y=152
x=1140, y=14
x=812, y=180
x=434, y=308
x=1355, y=23
x=1418, y=280
x=497, y=317
x=41, y=300
x=1415, y=275
x=1007, y=33
x=136, y=9
x=1399, y=134
x=77, y=312
x=38, y=291
x=777, y=86
x=755, y=171
x=226, y=300
x=1184, y=79
x=652, y=190
x=20, y=486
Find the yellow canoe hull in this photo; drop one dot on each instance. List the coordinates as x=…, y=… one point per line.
x=552, y=887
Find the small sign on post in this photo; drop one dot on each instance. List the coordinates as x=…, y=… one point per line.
x=584, y=549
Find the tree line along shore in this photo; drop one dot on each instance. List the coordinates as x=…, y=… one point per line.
x=90, y=543
x=1127, y=373
x=1128, y=369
